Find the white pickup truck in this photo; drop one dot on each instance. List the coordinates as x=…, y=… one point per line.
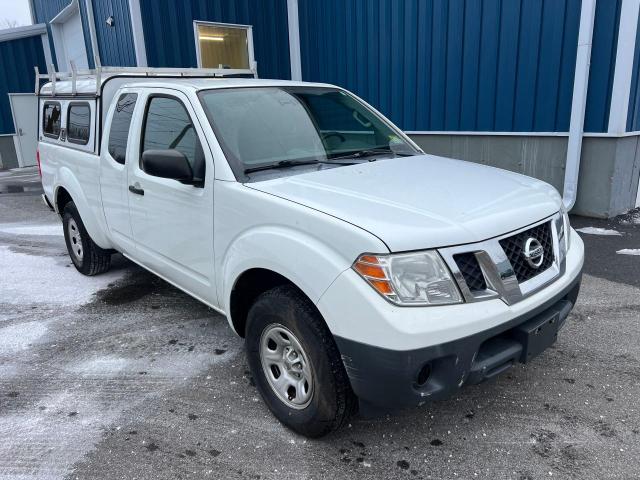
x=356, y=267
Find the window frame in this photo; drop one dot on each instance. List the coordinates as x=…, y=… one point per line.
x=44, y=107
x=248, y=28
x=131, y=122
x=143, y=126
x=70, y=139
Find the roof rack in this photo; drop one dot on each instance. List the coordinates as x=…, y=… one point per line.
x=100, y=74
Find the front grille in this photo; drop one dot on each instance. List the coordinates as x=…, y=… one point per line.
x=513, y=247
x=470, y=270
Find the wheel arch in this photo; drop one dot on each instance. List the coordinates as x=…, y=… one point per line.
x=248, y=286
x=266, y=256
x=67, y=190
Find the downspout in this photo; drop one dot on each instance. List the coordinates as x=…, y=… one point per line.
x=294, y=39
x=92, y=32
x=578, y=103
x=32, y=13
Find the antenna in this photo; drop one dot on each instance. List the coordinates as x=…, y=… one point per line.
x=74, y=77
x=37, y=79
x=53, y=76
x=98, y=72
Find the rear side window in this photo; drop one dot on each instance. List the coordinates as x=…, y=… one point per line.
x=169, y=127
x=51, y=118
x=78, y=123
x=120, y=124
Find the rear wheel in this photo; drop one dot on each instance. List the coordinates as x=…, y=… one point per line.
x=87, y=257
x=296, y=364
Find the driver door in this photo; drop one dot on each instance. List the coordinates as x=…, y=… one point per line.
x=172, y=222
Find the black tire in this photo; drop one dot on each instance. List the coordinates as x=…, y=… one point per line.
x=332, y=401
x=93, y=259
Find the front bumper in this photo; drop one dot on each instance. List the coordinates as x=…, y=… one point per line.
x=392, y=378
x=397, y=356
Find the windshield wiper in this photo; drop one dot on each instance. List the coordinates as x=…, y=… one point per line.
x=280, y=164
x=294, y=163
x=331, y=160
x=367, y=152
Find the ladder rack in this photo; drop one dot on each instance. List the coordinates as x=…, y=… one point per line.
x=101, y=74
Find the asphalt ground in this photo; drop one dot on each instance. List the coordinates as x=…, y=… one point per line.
x=124, y=376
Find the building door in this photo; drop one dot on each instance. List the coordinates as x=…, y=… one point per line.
x=24, y=107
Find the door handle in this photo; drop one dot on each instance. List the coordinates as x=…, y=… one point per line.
x=137, y=190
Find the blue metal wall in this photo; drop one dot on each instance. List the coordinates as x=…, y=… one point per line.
x=17, y=59
x=448, y=64
x=115, y=43
x=169, y=38
x=633, y=116
x=461, y=65
x=603, y=62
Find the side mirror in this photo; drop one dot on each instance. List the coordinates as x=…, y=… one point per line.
x=167, y=164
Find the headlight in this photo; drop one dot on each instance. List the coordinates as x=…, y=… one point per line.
x=420, y=278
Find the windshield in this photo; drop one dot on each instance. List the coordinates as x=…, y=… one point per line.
x=286, y=126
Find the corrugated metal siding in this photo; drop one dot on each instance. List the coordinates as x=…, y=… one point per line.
x=45, y=10
x=603, y=63
x=115, y=43
x=633, y=116
x=168, y=30
x=17, y=59
x=448, y=64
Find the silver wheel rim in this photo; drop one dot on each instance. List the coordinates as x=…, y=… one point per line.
x=75, y=240
x=286, y=366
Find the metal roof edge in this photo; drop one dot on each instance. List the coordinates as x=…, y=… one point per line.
x=22, y=32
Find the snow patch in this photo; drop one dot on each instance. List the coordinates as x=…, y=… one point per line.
x=7, y=371
x=54, y=229
x=45, y=444
x=28, y=279
x=598, y=231
x=629, y=251
x=101, y=366
x=20, y=336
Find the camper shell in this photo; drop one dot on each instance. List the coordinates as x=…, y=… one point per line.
x=76, y=94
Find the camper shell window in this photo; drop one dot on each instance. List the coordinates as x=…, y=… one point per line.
x=78, y=123
x=51, y=119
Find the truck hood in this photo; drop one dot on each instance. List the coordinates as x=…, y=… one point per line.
x=423, y=201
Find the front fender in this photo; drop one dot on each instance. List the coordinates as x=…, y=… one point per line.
x=309, y=263
x=89, y=207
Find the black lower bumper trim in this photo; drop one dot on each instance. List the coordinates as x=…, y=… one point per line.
x=391, y=378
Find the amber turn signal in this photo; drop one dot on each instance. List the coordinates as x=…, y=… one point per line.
x=372, y=270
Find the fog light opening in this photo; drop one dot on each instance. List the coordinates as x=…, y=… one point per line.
x=423, y=375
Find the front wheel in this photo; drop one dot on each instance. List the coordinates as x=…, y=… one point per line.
x=296, y=364
x=87, y=257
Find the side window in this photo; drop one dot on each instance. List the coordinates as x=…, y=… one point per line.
x=51, y=118
x=78, y=123
x=119, y=132
x=167, y=126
